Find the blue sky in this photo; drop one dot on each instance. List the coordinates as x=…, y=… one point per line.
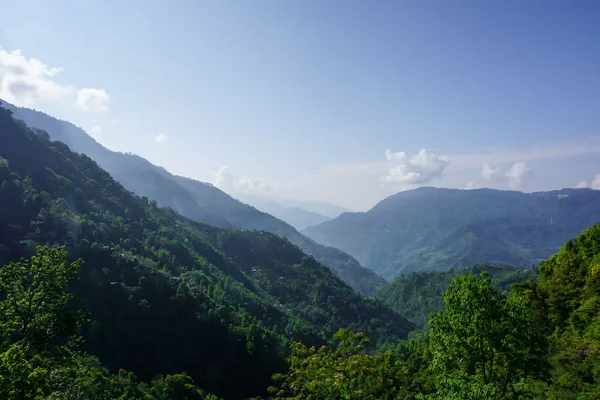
x=302, y=99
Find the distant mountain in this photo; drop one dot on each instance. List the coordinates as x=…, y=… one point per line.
x=439, y=229
x=298, y=217
x=319, y=207
x=196, y=200
x=418, y=294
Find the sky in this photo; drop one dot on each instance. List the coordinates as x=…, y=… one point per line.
x=342, y=101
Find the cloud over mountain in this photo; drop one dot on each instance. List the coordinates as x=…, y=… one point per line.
x=488, y=172
x=517, y=174
x=25, y=81
x=28, y=82
x=92, y=100
x=227, y=181
x=420, y=168
x=595, y=184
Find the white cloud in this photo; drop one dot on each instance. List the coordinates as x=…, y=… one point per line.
x=249, y=185
x=92, y=100
x=472, y=185
x=419, y=168
x=583, y=185
x=488, y=172
x=227, y=181
x=517, y=174
x=594, y=185
x=96, y=132
x=27, y=81
x=160, y=138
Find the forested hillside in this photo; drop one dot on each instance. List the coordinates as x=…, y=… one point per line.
x=431, y=229
x=418, y=294
x=196, y=200
x=540, y=342
x=166, y=294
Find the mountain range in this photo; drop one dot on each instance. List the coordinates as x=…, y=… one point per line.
x=432, y=229
x=165, y=293
x=196, y=200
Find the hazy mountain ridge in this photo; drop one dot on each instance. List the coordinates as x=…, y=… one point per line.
x=296, y=216
x=194, y=199
x=440, y=229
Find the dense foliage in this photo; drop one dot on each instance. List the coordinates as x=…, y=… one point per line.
x=196, y=200
x=418, y=294
x=485, y=345
x=430, y=229
x=166, y=294
x=39, y=355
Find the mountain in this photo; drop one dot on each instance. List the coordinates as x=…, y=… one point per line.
x=196, y=200
x=320, y=207
x=167, y=294
x=439, y=229
x=418, y=294
x=301, y=218
x=298, y=217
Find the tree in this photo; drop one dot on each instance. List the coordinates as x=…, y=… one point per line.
x=37, y=331
x=34, y=308
x=342, y=372
x=485, y=345
x=178, y=387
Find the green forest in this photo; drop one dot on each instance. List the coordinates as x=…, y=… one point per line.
x=418, y=294
x=106, y=295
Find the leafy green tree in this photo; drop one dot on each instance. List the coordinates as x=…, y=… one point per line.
x=37, y=329
x=342, y=372
x=485, y=345
x=20, y=378
x=34, y=307
x=178, y=387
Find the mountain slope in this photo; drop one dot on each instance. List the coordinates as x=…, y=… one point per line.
x=165, y=293
x=418, y=294
x=439, y=229
x=193, y=199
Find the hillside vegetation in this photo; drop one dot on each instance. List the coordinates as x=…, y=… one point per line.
x=418, y=294
x=430, y=229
